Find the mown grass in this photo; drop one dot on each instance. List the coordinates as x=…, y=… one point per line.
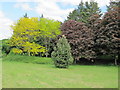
x=29, y=75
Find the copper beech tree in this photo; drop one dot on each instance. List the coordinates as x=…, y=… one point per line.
x=107, y=34
x=80, y=39
x=100, y=37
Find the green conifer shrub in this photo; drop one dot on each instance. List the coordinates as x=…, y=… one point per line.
x=62, y=53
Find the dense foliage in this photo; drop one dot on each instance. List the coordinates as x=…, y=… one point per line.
x=50, y=30
x=80, y=38
x=113, y=4
x=5, y=46
x=27, y=31
x=107, y=35
x=84, y=11
x=62, y=53
x=106, y=32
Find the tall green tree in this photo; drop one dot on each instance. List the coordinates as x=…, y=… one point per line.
x=50, y=30
x=113, y=4
x=84, y=11
x=25, y=16
x=42, y=16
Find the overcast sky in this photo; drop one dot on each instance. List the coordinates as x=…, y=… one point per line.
x=12, y=10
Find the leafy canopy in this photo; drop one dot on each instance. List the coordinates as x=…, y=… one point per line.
x=25, y=31
x=49, y=28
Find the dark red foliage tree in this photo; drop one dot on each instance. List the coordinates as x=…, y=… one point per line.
x=79, y=37
x=94, y=22
x=107, y=34
x=94, y=25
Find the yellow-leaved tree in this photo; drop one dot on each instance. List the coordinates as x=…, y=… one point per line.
x=32, y=35
x=25, y=32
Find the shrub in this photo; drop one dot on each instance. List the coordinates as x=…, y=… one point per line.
x=17, y=51
x=5, y=46
x=62, y=55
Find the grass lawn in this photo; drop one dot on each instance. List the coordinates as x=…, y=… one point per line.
x=29, y=75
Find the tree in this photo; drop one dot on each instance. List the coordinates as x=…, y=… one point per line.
x=25, y=31
x=107, y=34
x=50, y=30
x=42, y=16
x=62, y=53
x=113, y=3
x=30, y=33
x=25, y=16
x=84, y=11
x=80, y=39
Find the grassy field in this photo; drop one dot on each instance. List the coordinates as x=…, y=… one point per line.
x=29, y=75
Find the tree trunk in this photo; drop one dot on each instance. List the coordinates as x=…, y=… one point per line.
x=46, y=52
x=47, y=46
x=116, y=57
x=74, y=62
x=115, y=62
x=29, y=53
x=40, y=54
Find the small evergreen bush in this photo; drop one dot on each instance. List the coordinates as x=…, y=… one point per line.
x=62, y=53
